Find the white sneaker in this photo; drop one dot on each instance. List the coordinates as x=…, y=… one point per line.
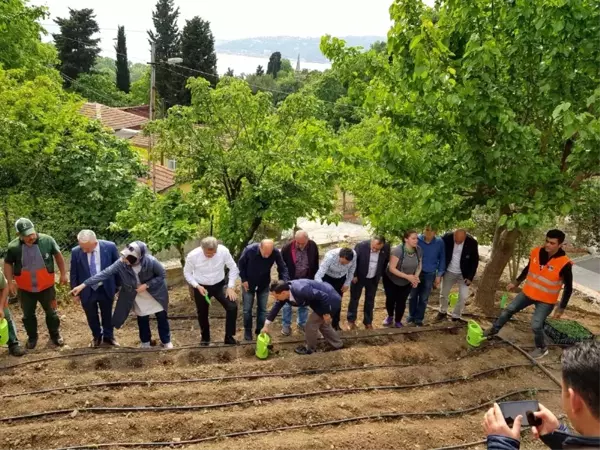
x=145, y=345
x=167, y=346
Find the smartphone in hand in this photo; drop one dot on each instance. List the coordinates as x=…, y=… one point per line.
x=525, y=408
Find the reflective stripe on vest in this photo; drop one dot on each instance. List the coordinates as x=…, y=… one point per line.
x=544, y=283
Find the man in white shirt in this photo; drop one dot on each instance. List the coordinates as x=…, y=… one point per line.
x=462, y=259
x=205, y=271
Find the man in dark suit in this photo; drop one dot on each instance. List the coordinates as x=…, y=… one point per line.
x=372, y=257
x=325, y=303
x=89, y=258
x=301, y=257
x=462, y=259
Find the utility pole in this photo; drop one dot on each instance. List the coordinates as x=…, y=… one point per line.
x=151, y=164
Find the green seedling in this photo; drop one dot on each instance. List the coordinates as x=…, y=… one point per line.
x=207, y=298
x=571, y=328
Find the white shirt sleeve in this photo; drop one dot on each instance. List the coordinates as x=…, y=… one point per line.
x=188, y=270
x=234, y=272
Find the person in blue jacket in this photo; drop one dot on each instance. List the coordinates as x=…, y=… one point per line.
x=87, y=259
x=143, y=290
x=325, y=303
x=580, y=401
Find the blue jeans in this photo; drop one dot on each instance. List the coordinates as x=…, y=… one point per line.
x=99, y=300
x=419, y=297
x=521, y=301
x=162, y=322
x=286, y=319
x=262, y=298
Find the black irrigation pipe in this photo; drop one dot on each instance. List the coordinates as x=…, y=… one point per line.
x=533, y=360
x=459, y=446
x=124, y=350
x=382, y=416
x=337, y=391
x=250, y=376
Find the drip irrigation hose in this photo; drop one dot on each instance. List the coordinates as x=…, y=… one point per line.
x=125, y=409
x=124, y=350
x=250, y=376
x=533, y=360
x=459, y=446
x=382, y=416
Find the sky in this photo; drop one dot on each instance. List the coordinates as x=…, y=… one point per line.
x=231, y=19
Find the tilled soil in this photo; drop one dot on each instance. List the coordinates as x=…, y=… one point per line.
x=423, y=379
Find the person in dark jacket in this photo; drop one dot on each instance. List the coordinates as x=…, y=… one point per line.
x=143, y=289
x=462, y=260
x=580, y=401
x=87, y=259
x=325, y=303
x=372, y=257
x=301, y=257
x=255, y=271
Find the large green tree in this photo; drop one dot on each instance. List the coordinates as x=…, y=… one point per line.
x=20, y=43
x=274, y=65
x=56, y=166
x=163, y=221
x=198, y=52
x=167, y=40
x=479, y=104
x=77, y=50
x=251, y=162
x=123, y=78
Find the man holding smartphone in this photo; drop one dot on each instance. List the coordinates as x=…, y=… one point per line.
x=580, y=401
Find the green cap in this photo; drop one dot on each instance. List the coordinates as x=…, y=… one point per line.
x=24, y=227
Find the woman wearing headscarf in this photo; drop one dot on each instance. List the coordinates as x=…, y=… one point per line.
x=143, y=290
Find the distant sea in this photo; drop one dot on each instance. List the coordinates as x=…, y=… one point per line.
x=248, y=64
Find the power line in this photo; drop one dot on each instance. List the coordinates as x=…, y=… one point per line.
x=68, y=78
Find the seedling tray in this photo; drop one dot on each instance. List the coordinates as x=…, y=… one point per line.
x=566, y=332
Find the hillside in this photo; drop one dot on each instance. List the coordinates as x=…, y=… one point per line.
x=289, y=46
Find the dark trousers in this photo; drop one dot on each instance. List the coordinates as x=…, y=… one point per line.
x=542, y=310
x=29, y=301
x=419, y=297
x=370, y=287
x=337, y=284
x=216, y=291
x=395, y=298
x=262, y=297
x=162, y=321
x=99, y=300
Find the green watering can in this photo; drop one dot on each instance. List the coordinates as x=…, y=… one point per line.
x=263, y=343
x=452, y=299
x=3, y=332
x=474, y=334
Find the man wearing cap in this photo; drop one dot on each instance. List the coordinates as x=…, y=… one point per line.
x=87, y=259
x=13, y=343
x=29, y=261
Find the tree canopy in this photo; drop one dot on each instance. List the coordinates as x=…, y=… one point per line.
x=77, y=50
x=250, y=162
x=477, y=104
x=198, y=52
x=122, y=65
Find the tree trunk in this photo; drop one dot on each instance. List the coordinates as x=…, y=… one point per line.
x=7, y=223
x=504, y=248
x=255, y=224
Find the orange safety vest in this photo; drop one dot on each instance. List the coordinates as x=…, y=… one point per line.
x=544, y=283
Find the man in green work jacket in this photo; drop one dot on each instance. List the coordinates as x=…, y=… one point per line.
x=13, y=343
x=29, y=261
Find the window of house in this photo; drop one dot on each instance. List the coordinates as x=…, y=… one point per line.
x=171, y=164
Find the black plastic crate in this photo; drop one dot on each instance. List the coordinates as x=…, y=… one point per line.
x=559, y=337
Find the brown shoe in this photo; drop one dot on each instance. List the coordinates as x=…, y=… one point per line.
x=368, y=327
x=351, y=326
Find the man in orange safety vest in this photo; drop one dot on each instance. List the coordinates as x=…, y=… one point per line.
x=549, y=268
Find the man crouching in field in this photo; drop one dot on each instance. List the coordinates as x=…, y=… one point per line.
x=324, y=301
